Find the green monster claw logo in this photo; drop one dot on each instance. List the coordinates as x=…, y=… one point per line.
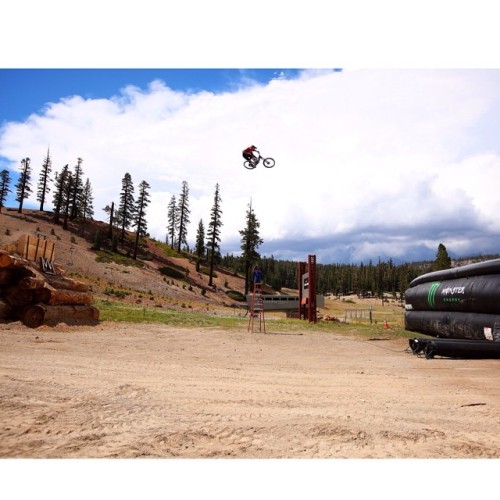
x=431, y=295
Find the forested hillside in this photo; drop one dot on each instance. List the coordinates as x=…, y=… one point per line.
x=345, y=279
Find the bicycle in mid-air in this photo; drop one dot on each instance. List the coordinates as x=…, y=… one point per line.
x=251, y=164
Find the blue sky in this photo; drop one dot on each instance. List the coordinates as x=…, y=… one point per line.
x=24, y=91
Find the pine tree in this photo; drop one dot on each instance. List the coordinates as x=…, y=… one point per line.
x=4, y=187
x=77, y=189
x=213, y=233
x=126, y=210
x=111, y=211
x=172, y=221
x=87, y=204
x=43, y=181
x=183, y=215
x=23, y=186
x=250, y=241
x=140, y=214
x=67, y=197
x=443, y=260
x=60, y=181
x=200, y=244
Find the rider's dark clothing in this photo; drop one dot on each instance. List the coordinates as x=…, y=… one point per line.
x=248, y=153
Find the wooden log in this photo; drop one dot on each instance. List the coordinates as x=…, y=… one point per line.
x=39, y=280
x=66, y=283
x=7, y=276
x=31, y=283
x=5, y=310
x=42, y=294
x=16, y=296
x=8, y=260
x=60, y=271
x=42, y=314
x=54, y=296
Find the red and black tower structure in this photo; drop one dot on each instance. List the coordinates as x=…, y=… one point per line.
x=307, y=289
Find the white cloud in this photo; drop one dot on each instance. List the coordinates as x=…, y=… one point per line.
x=369, y=163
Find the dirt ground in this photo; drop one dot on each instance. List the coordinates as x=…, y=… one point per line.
x=125, y=391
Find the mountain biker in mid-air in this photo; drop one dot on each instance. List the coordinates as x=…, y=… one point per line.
x=249, y=155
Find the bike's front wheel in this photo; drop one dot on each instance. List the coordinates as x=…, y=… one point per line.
x=249, y=165
x=268, y=162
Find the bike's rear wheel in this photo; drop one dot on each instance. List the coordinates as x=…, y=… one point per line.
x=268, y=162
x=249, y=165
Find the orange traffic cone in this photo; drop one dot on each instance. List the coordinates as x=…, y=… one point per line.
x=386, y=325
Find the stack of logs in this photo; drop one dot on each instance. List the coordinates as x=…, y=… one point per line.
x=36, y=298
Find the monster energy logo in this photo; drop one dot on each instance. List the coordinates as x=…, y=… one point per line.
x=431, y=295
